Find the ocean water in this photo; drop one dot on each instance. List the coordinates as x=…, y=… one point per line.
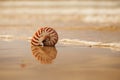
x=77, y=37
x=64, y=13
x=91, y=23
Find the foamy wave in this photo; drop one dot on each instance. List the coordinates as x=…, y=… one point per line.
x=13, y=37
x=6, y=37
x=113, y=46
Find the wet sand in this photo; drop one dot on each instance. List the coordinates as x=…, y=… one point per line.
x=19, y=60
x=69, y=63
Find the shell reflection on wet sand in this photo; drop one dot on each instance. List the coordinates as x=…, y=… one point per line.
x=45, y=55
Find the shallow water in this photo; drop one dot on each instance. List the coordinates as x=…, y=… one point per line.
x=69, y=37
x=65, y=62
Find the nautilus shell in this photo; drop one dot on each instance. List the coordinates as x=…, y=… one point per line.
x=45, y=55
x=45, y=36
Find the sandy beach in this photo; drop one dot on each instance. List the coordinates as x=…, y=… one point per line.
x=66, y=61
x=88, y=47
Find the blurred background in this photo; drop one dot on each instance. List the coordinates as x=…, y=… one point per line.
x=62, y=12
x=24, y=17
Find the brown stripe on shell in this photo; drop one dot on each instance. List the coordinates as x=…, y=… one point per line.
x=47, y=32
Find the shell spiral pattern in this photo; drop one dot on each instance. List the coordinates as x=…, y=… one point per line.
x=45, y=36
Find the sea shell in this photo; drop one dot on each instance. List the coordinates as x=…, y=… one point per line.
x=45, y=55
x=45, y=36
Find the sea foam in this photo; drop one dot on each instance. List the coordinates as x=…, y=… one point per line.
x=113, y=45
